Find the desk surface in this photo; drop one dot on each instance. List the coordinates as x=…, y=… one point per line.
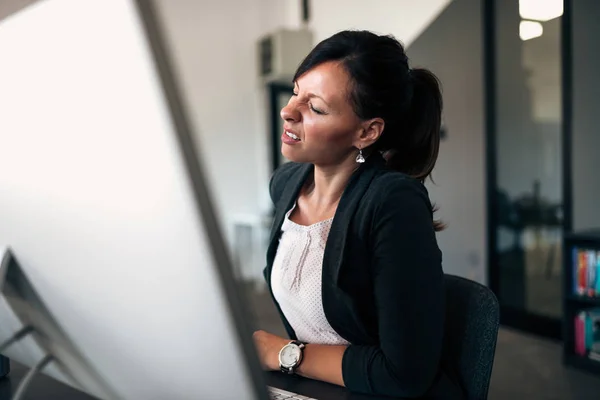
x=45, y=388
x=42, y=387
x=315, y=389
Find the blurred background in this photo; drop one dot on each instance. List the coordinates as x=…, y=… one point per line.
x=517, y=176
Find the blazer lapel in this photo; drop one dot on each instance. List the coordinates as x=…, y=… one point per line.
x=336, y=241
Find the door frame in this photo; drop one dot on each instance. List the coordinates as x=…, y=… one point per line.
x=275, y=89
x=511, y=316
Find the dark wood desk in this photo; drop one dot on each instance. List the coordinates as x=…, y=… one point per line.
x=316, y=389
x=42, y=387
x=45, y=388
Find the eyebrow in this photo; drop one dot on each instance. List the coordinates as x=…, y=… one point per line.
x=311, y=95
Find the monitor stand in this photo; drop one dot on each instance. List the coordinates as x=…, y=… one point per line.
x=37, y=322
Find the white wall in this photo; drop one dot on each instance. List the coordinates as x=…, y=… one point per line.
x=214, y=45
x=452, y=48
x=405, y=19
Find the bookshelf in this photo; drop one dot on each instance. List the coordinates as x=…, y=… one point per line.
x=581, y=294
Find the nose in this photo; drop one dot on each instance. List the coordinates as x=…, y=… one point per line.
x=289, y=112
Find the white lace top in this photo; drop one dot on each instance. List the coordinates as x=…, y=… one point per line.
x=296, y=280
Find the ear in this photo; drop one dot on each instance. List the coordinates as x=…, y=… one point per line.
x=370, y=131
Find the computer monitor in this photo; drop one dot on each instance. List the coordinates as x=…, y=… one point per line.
x=106, y=212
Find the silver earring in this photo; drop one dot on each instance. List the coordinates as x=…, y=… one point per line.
x=360, y=158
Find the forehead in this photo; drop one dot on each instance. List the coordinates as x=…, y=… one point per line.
x=328, y=80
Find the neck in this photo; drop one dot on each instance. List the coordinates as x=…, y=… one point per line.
x=329, y=182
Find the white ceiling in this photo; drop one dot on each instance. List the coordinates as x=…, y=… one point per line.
x=405, y=19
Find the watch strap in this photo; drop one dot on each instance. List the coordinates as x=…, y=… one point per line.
x=299, y=344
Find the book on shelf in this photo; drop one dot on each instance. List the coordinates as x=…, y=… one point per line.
x=587, y=333
x=586, y=272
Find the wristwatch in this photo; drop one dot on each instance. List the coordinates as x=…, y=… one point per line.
x=290, y=356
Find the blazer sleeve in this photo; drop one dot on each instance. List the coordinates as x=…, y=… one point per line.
x=409, y=297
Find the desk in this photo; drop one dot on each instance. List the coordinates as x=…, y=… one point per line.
x=316, y=389
x=42, y=387
x=45, y=388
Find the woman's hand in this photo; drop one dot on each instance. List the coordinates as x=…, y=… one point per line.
x=268, y=347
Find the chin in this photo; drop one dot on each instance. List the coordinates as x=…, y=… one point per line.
x=293, y=156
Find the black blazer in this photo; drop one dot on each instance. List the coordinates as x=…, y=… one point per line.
x=382, y=282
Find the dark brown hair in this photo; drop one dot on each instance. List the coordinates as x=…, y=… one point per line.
x=384, y=86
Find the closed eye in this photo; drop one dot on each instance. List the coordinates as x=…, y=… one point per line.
x=316, y=110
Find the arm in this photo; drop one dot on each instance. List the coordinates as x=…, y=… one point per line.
x=323, y=363
x=320, y=362
x=409, y=294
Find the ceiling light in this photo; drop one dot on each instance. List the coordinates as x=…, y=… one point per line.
x=530, y=29
x=540, y=10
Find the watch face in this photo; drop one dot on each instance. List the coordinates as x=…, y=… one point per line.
x=289, y=355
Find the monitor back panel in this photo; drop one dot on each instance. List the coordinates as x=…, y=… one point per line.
x=97, y=204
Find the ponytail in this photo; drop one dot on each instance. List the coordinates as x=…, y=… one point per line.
x=416, y=149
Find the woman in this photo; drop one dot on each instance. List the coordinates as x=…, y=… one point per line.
x=353, y=263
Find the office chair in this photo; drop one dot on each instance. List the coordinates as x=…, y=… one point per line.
x=470, y=334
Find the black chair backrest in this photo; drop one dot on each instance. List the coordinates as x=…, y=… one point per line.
x=471, y=332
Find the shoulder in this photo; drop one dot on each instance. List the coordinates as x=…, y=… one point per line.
x=284, y=174
x=392, y=190
x=401, y=218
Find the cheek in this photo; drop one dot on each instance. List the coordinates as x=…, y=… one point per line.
x=327, y=130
